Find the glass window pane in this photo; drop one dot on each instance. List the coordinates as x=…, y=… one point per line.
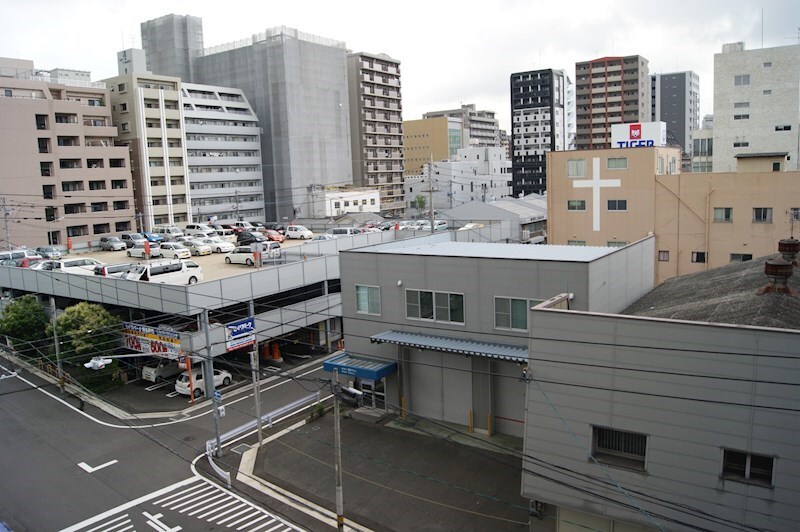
x=502, y=312
x=457, y=308
x=412, y=304
x=426, y=305
x=442, y=307
x=519, y=314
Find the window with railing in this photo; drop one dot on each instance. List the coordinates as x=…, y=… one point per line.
x=619, y=448
x=747, y=467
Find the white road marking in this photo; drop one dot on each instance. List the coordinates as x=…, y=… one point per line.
x=90, y=469
x=155, y=522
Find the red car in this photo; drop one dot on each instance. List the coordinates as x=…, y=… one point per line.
x=273, y=235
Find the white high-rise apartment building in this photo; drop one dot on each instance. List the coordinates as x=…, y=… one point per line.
x=756, y=104
x=480, y=128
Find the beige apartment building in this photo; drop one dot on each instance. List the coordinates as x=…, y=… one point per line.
x=614, y=197
x=148, y=112
x=376, y=127
x=63, y=180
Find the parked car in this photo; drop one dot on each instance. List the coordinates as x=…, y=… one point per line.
x=337, y=231
x=153, y=237
x=132, y=238
x=139, y=250
x=273, y=235
x=259, y=226
x=160, y=369
x=198, y=230
x=112, y=243
x=78, y=265
x=168, y=232
x=49, y=252
x=197, y=386
x=27, y=262
x=197, y=247
x=322, y=237
x=176, y=250
x=248, y=237
x=244, y=226
x=112, y=270
x=218, y=245
x=241, y=255
x=169, y=271
x=19, y=253
x=298, y=231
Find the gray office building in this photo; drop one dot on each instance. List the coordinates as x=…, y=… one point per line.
x=675, y=100
x=172, y=43
x=297, y=84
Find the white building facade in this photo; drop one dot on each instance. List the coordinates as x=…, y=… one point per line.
x=756, y=104
x=479, y=174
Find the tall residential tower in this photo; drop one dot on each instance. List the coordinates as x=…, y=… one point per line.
x=675, y=100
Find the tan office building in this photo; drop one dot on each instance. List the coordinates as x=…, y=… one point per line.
x=430, y=139
x=614, y=197
x=62, y=179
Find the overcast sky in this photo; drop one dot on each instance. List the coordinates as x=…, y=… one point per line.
x=451, y=52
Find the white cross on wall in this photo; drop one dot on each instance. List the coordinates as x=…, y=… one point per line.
x=596, y=184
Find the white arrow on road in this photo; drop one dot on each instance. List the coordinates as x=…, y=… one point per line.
x=89, y=469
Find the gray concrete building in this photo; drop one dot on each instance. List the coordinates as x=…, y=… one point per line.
x=223, y=145
x=452, y=316
x=681, y=413
x=376, y=127
x=172, y=43
x=63, y=180
x=675, y=101
x=756, y=104
x=297, y=85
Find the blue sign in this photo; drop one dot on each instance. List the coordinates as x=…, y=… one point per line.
x=240, y=333
x=217, y=395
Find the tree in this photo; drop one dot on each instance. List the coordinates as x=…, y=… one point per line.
x=24, y=321
x=421, y=201
x=86, y=330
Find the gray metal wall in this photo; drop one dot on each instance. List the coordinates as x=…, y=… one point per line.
x=584, y=364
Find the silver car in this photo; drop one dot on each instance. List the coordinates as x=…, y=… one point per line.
x=139, y=251
x=112, y=243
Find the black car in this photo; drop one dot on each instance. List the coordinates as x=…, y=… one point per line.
x=248, y=237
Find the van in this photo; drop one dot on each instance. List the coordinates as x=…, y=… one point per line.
x=80, y=266
x=166, y=272
x=113, y=270
x=169, y=232
x=131, y=239
x=202, y=230
x=160, y=369
x=20, y=253
x=339, y=231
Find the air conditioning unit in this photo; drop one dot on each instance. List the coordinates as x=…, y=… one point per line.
x=526, y=235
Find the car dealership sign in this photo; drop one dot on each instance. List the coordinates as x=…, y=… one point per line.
x=639, y=135
x=240, y=334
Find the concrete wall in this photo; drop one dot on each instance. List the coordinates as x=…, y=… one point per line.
x=694, y=389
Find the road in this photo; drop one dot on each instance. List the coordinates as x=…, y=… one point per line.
x=63, y=468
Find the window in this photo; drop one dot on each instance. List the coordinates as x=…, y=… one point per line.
x=767, y=64
x=368, y=299
x=437, y=306
x=123, y=107
x=511, y=313
x=698, y=256
x=576, y=205
x=576, y=168
x=747, y=467
x=741, y=144
x=776, y=167
x=741, y=257
x=619, y=448
x=617, y=205
x=576, y=242
x=125, y=126
x=616, y=243
x=741, y=105
x=97, y=185
x=783, y=128
x=741, y=79
x=762, y=215
x=723, y=214
x=617, y=163
x=741, y=117
x=766, y=92
x=663, y=256
x=794, y=213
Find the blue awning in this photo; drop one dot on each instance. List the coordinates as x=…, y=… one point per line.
x=363, y=368
x=449, y=344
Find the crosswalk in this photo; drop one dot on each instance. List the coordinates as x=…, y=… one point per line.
x=194, y=504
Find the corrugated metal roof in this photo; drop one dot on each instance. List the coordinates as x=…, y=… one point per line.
x=360, y=367
x=496, y=251
x=454, y=345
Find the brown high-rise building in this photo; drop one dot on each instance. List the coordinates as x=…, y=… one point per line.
x=609, y=90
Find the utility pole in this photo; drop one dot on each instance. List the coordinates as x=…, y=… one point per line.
x=337, y=430
x=430, y=193
x=256, y=380
x=5, y=219
x=208, y=376
x=236, y=205
x=57, y=346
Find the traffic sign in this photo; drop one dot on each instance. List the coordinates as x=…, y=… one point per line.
x=217, y=395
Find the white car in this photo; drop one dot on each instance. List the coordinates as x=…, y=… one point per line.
x=240, y=255
x=80, y=266
x=197, y=247
x=298, y=231
x=138, y=250
x=175, y=250
x=198, y=385
x=218, y=245
x=322, y=237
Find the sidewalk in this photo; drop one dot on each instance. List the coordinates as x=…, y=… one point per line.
x=400, y=474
